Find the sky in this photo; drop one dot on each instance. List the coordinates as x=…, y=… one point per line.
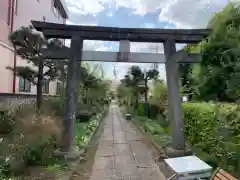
x=140, y=14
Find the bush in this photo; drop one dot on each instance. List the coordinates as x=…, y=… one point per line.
x=85, y=130
x=214, y=132
x=32, y=141
x=7, y=121
x=154, y=129
x=56, y=105
x=149, y=110
x=84, y=116
x=160, y=97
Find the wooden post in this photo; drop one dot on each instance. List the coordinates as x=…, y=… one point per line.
x=174, y=99
x=70, y=109
x=78, y=71
x=124, y=50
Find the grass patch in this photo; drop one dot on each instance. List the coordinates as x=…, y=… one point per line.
x=85, y=130
x=154, y=130
x=29, y=139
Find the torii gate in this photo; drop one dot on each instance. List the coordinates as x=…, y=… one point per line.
x=125, y=35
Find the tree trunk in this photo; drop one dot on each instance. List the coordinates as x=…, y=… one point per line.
x=136, y=100
x=86, y=96
x=146, y=107
x=39, y=84
x=146, y=90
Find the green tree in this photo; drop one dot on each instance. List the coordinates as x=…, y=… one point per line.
x=159, y=96
x=137, y=82
x=149, y=75
x=28, y=45
x=217, y=76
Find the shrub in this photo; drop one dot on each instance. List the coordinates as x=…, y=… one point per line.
x=214, y=132
x=155, y=130
x=160, y=97
x=149, y=110
x=33, y=140
x=84, y=116
x=7, y=121
x=141, y=109
x=56, y=105
x=153, y=111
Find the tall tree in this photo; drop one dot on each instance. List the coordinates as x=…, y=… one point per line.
x=149, y=75
x=138, y=80
x=29, y=45
x=217, y=76
x=220, y=61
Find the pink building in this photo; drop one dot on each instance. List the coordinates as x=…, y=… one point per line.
x=13, y=15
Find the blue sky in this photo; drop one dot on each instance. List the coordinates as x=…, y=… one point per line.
x=140, y=14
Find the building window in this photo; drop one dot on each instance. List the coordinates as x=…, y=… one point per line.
x=45, y=86
x=59, y=87
x=24, y=85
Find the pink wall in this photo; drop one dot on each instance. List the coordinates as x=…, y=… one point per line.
x=34, y=10
x=4, y=10
x=27, y=10
x=6, y=59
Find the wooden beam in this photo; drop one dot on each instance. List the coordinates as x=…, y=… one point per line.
x=53, y=30
x=63, y=53
x=112, y=36
x=40, y=25
x=107, y=56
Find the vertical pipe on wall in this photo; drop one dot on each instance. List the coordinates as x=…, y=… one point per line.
x=11, y=24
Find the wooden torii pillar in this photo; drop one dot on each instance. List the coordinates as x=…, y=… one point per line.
x=174, y=98
x=69, y=121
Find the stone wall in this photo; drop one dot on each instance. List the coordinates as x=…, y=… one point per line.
x=12, y=100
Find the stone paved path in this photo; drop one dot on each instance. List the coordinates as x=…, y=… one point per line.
x=121, y=155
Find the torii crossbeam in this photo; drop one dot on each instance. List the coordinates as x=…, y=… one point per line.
x=171, y=58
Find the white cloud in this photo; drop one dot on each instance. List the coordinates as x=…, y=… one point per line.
x=82, y=23
x=182, y=13
x=90, y=45
x=146, y=47
x=149, y=25
x=141, y=7
x=92, y=7
x=196, y=15
x=109, y=14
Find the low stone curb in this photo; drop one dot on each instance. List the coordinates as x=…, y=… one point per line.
x=159, y=149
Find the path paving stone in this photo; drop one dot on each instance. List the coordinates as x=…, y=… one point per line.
x=121, y=155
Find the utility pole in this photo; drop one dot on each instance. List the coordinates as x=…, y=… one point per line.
x=114, y=72
x=155, y=49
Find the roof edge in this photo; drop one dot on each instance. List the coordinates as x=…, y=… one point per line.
x=64, y=8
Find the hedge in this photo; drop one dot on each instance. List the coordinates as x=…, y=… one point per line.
x=149, y=110
x=214, y=132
